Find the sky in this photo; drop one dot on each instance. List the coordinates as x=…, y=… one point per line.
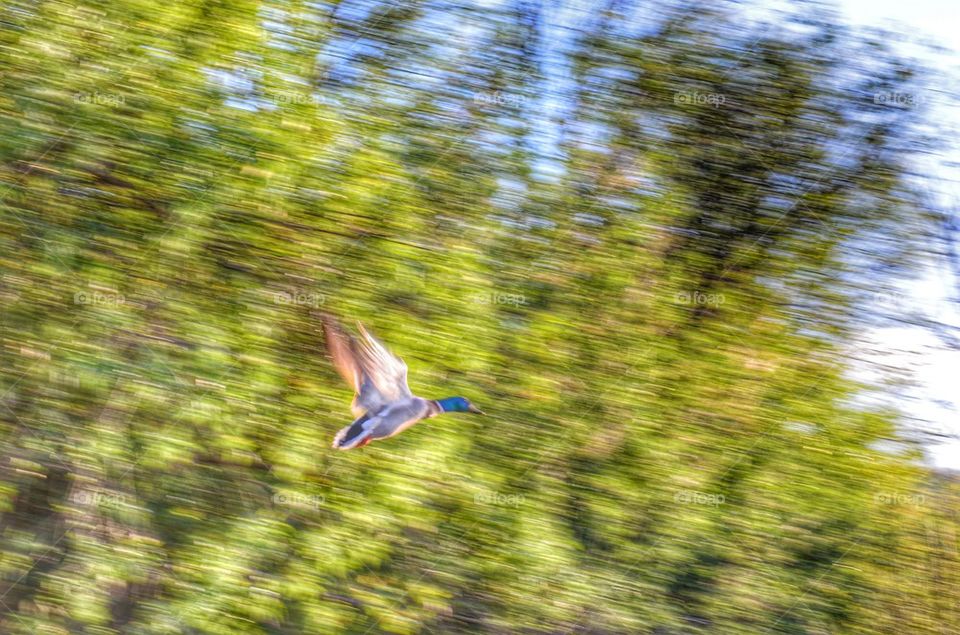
x=934, y=403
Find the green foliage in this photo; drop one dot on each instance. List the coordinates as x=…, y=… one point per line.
x=649, y=294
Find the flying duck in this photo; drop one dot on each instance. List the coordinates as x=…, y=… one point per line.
x=382, y=404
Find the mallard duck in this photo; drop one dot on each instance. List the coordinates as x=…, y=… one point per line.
x=382, y=404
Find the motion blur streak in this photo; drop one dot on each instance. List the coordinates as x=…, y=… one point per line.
x=634, y=233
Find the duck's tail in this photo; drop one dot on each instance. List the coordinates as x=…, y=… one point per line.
x=356, y=435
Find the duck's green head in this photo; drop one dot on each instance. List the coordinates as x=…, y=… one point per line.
x=458, y=404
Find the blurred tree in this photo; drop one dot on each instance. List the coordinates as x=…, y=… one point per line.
x=634, y=239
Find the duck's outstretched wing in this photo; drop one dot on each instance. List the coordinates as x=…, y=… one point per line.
x=377, y=376
x=387, y=371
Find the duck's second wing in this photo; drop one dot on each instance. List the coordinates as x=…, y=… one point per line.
x=386, y=371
